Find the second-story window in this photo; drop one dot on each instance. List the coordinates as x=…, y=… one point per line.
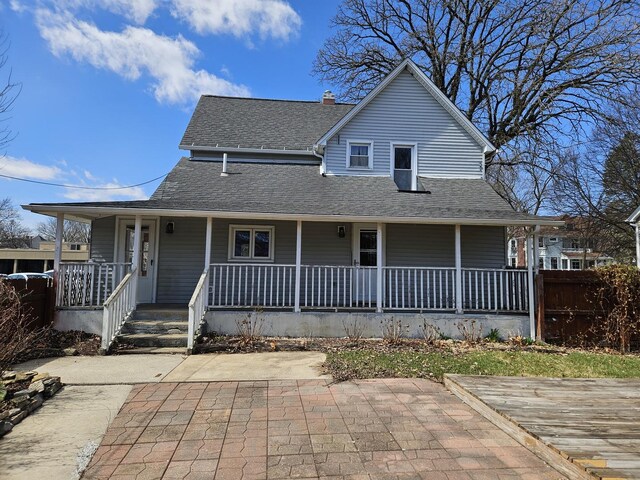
x=359, y=155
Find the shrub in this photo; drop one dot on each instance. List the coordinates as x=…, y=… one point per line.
x=249, y=329
x=617, y=306
x=494, y=335
x=17, y=337
x=393, y=330
x=470, y=331
x=430, y=332
x=353, y=330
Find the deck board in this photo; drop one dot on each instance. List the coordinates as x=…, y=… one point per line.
x=593, y=423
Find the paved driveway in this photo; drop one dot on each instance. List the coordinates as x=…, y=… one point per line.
x=376, y=429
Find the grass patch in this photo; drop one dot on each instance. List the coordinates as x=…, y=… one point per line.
x=372, y=364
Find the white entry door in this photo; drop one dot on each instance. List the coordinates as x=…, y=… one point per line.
x=365, y=257
x=147, y=265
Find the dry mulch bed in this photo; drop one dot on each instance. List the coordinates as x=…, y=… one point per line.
x=52, y=343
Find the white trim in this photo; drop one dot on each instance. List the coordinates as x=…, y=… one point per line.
x=633, y=218
x=203, y=148
x=379, y=261
x=296, y=306
x=440, y=97
x=369, y=144
x=530, y=288
x=458, y=264
x=207, y=242
x=98, y=212
x=231, y=244
x=414, y=160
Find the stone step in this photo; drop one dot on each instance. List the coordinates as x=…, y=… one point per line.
x=177, y=315
x=155, y=326
x=154, y=340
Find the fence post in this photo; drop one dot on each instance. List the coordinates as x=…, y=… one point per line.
x=531, y=296
x=540, y=307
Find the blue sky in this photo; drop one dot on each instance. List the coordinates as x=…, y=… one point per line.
x=108, y=86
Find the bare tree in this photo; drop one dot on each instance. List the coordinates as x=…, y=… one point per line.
x=74, y=232
x=12, y=233
x=9, y=91
x=513, y=66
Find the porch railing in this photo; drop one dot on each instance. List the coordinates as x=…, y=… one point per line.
x=118, y=307
x=419, y=288
x=88, y=284
x=355, y=287
x=495, y=290
x=198, y=306
x=252, y=285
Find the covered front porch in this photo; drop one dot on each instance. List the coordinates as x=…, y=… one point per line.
x=223, y=265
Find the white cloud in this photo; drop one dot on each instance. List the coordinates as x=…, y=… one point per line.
x=133, y=52
x=97, y=195
x=269, y=18
x=137, y=10
x=23, y=168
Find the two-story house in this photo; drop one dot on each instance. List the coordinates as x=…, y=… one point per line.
x=315, y=213
x=567, y=247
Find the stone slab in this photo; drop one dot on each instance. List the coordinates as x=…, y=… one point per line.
x=249, y=366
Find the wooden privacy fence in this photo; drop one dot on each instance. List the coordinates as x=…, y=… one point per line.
x=38, y=299
x=566, y=308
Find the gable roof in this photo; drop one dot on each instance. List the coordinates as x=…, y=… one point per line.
x=440, y=97
x=256, y=191
x=259, y=124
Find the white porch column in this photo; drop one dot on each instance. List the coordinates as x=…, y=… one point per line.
x=207, y=244
x=57, y=254
x=137, y=234
x=532, y=307
x=536, y=250
x=379, y=272
x=638, y=244
x=296, y=307
x=458, y=256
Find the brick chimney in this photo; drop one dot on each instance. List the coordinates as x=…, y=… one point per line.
x=328, y=98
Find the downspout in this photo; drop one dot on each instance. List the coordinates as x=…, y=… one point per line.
x=638, y=243
x=314, y=150
x=224, y=166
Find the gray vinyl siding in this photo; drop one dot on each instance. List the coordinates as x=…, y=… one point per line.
x=103, y=234
x=322, y=246
x=434, y=246
x=180, y=259
x=406, y=112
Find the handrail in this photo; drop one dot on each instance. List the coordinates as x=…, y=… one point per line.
x=197, y=306
x=118, y=307
x=88, y=284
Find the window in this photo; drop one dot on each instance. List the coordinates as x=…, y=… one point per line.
x=554, y=263
x=553, y=239
x=248, y=242
x=74, y=246
x=359, y=155
x=575, y=264
x=575, y=243
x=541, y=262
x=513, y=261
x=565, y=264
x=540, y=242
x=403, y=166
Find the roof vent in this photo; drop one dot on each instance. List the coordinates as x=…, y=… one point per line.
x=328, y=98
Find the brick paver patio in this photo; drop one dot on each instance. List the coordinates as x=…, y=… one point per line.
x=373, y=429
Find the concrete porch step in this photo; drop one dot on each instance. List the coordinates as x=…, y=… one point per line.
x=154, y=339
x=162, y=327
x=156, y=350
x=172, y=314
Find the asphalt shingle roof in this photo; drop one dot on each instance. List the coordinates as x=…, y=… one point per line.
x=302, y=190
x=259, y=123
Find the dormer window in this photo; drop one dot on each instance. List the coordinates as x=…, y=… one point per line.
x=359, y=155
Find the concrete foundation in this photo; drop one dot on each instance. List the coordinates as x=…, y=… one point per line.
x=335, y=324
x=85, y=319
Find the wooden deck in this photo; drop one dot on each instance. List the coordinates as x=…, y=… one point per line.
x=585, y=428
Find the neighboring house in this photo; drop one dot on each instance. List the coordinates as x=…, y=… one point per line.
x=317, y=214
x=39, y=257
x=634, y=220
x=558, y=248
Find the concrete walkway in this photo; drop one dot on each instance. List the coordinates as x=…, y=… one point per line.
x=107, y=370
x=375, y=429
x=249, y=366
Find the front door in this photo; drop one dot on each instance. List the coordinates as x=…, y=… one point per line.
x=147, y=264
x=365, y=258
